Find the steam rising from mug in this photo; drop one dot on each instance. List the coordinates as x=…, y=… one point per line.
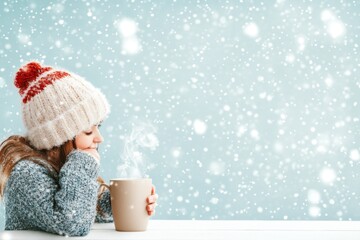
x=134, y=164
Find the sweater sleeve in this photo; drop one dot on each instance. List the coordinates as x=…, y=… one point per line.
x=104, y=213
x=66, y=206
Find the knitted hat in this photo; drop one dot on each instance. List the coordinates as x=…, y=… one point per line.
x=57, y=104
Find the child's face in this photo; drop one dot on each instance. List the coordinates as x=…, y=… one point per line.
x=89, y=139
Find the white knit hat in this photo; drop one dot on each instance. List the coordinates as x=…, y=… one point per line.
x=57, y=104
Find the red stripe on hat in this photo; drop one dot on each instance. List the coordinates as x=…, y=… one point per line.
x=25, y=77
x=42, y=83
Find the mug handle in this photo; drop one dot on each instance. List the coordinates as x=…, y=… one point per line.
x=105, y=185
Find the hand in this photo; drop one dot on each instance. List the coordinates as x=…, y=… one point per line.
x=93, y=152
x=150, y=208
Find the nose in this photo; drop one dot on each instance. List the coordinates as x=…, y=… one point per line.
x=98, y=138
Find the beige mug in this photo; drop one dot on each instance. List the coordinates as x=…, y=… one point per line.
x=128, y=203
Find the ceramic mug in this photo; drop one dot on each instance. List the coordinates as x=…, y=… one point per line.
x=128, y=203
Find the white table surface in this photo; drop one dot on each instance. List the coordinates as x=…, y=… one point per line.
x=229, y=229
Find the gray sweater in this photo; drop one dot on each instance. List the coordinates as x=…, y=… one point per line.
x=65, y=203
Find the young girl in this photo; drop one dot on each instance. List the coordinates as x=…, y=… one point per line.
x=49, y=178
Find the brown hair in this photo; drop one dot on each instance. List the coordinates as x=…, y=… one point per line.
x=17, y=148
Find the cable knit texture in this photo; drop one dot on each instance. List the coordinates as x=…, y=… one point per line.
x=65, y=204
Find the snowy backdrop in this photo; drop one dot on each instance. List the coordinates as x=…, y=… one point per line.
x=236, y=109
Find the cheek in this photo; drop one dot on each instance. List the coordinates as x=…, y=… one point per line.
x=82, y=141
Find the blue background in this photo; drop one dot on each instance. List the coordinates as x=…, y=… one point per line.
x=236, y=109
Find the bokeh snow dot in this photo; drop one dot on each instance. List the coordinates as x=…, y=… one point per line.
x=199, y=126
x=127, y=27
x=251, y=30
x=314, y=196
x=314, y=211
x=336, y=29
x=327, y=176
x=334, y=26
x=354, y=155
x=217, y=168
